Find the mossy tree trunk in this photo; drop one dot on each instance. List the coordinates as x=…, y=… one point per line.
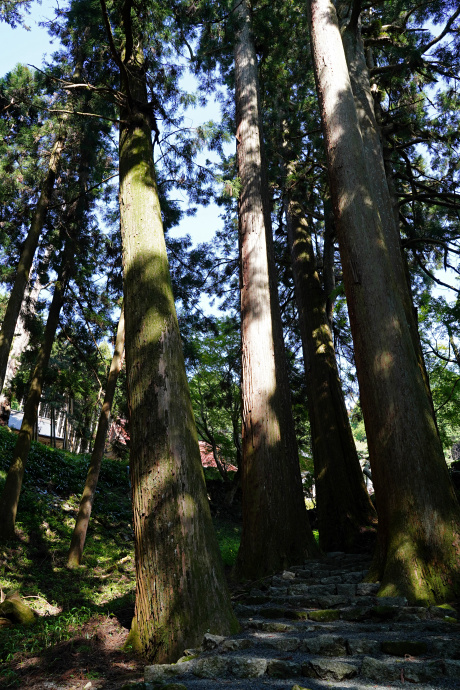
x=30, y=246
x=418, y=552
x=181, y=591
x=342, y=502
x=275, y=530
x=12, y=489
x=77, y=543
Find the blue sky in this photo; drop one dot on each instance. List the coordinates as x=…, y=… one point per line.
x=19, y=45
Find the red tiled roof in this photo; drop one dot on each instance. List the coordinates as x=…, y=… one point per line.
x=117, y=431
x=207, y=458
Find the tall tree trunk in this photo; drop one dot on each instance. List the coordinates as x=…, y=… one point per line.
x=453, y=345
x=25, y=262
x=22, y=335
x=418, y=552
x=328, y=257
x=77, y=543
x=378, y=181
x=181, y=591
x=275, y=530
x=12, y=489
x=342, y=502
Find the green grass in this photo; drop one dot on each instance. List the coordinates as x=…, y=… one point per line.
x=46, y=633
x=35, y=563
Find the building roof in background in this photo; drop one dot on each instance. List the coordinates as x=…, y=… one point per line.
x=207, y=457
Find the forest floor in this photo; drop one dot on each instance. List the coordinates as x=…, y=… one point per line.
x=83, y=615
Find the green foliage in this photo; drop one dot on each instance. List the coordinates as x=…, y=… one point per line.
x=11, y=11
x=64, y=472
x=46, y=633
x=35, y=564
x=359, y=431
x=440, y=334
x=228, y=536
x=213, y=368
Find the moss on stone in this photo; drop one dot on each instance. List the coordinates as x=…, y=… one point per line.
x=324, y=615
x=133, y=641
x=14, y=609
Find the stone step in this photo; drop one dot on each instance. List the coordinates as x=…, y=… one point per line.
x=336, y=607
x=350, y=643
x=354, y=591
x=311, y=577
x=319, y=625
x=221, y=666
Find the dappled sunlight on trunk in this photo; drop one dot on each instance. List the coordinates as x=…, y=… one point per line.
x=419, y=516
x=181, y=590
x=275, y=525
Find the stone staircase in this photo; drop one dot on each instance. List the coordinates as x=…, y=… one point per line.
x=319, y=626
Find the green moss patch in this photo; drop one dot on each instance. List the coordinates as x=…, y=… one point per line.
x=323, y=615
x=14, y=609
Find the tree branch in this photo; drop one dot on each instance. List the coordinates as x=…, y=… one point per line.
x=90, y=189
x=77, y=112
x=355, y=12
x=449, y=396
x=430, y=275
x=82, y=355
x=446, y=30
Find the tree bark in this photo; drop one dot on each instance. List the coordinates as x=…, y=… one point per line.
x=21, y=335
x=181, y=592
x=378, y=180
x=25, y=262
x=275, y=530
x=77, y=543
x=328, y=257
x=12, y=489
x=343, y=505
x=418, y=552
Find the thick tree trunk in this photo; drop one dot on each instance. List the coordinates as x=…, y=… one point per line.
x=342, y=502
x=77, y=543
x=181, y=592
x=378, y=182
x=25, y=262
x=12, y=489
x=275, y=530
x=418, y=551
